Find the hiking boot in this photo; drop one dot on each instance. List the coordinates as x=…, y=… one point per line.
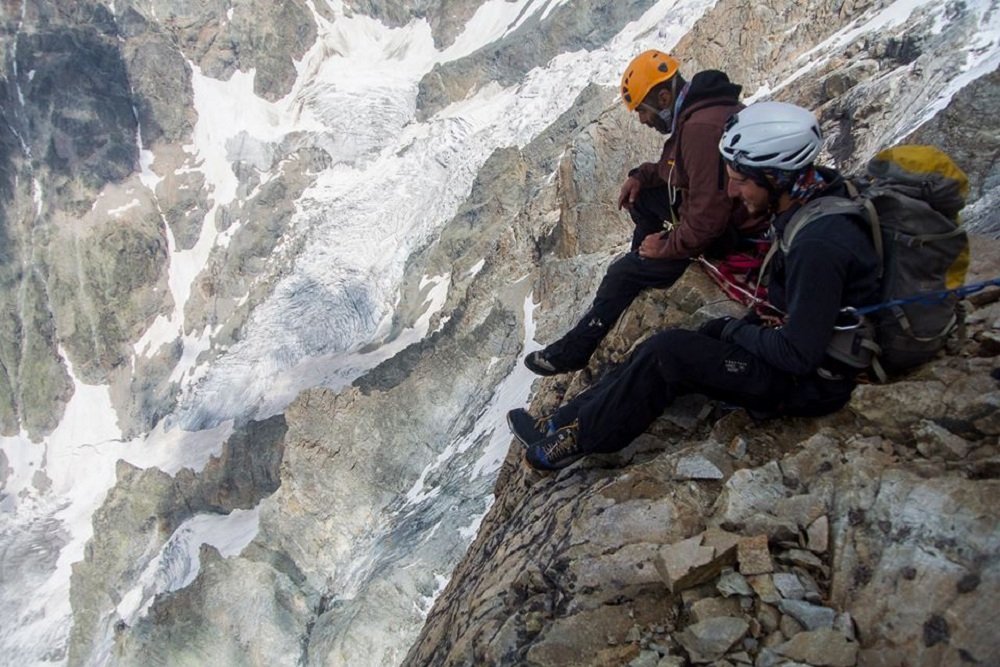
x=556, y=451
x=541, y=364
x=526, y=428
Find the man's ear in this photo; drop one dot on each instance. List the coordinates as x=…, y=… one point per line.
x=664, y=98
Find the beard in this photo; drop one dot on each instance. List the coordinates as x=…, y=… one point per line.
x=660, y=125
x=663, y=121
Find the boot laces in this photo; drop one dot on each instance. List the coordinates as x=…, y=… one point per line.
x=564, y=444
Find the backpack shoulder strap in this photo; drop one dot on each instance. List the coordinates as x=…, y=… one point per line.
x=857, y=206
x=806, y=214
x=870, y=213
x=820, y=208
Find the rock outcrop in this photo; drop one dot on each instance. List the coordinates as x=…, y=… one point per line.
x=222, y=38
x=713, y=538
x=867, y=537
x=447, y=18
x=582, y=25
x=975, y=145
x=148, y=505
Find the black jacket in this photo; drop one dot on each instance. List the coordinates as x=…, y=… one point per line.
x=831, y=264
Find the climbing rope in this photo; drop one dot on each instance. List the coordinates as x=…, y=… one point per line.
x=930, y=298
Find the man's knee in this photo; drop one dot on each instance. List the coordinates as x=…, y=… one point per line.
x=622, y=280
x=673, y=342
x=651, y=206
x=631, y=268
x=624, y=266
x=677, y=353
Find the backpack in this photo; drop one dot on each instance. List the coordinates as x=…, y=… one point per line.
x=910, y=195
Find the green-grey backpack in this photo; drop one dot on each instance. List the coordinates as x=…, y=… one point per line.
x=911, y=196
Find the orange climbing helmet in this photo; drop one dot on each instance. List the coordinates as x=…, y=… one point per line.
x=645, y=71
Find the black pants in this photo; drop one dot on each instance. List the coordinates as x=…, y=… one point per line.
x=624, y=280
x=649, y=211
x=676, y=362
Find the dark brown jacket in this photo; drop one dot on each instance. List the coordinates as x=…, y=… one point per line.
x=691, y=163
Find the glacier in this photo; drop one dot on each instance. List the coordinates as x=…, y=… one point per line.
x=329, y=315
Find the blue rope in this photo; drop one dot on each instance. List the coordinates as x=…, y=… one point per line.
x=930, y=297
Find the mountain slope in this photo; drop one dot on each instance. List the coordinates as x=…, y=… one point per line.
x=279, y=218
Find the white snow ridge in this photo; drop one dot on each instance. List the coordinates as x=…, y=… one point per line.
x=394, y=182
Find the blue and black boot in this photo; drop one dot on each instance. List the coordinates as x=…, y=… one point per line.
x=526, y=428
x=556, y=451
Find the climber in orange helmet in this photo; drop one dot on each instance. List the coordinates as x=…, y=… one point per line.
x=679, y=204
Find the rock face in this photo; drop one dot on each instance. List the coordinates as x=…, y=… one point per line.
x=148, y=505
x=569, y=568
x=974, y=145
x=86, y=243
x=273, y=618
x=70, y=130
x=570, y=27
x=795, y=541
x=447, y=18
x=222, y=38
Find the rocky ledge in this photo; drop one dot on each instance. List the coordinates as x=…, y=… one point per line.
x=868, y=537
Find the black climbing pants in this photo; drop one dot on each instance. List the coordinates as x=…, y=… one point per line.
x=625, y=279
x=676, y=362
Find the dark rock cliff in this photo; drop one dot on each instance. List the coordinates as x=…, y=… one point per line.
x=866, y=537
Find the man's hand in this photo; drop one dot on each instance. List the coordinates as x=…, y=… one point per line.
x=654, y=246
x=630, y=190
x=714, y=328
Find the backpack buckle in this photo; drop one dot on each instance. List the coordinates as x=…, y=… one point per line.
x=848, y=319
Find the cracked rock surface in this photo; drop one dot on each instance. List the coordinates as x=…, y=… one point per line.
x=867, y=537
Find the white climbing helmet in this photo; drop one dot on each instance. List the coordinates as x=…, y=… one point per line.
x=771, y=135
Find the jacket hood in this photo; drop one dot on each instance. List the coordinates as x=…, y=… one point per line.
x=708, y=84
